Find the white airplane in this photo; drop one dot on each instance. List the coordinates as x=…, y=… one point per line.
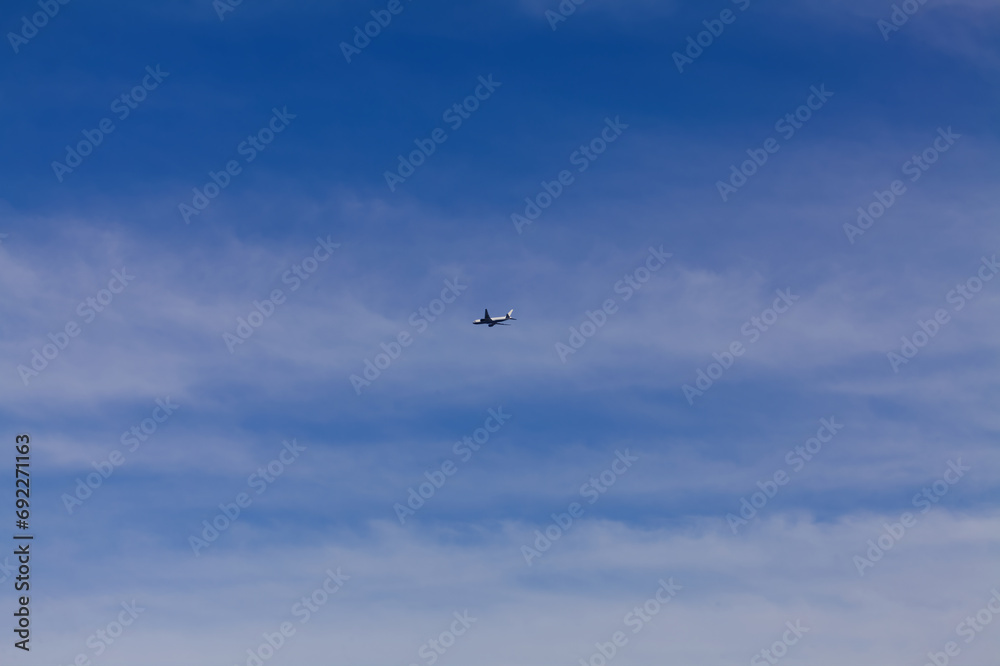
x=494, y=321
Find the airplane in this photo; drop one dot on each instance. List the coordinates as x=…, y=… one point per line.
x=491, y=321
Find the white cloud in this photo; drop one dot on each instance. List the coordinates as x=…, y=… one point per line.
x=404, y=588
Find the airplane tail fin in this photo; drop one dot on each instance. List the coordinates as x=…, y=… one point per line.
x=487, y=314
x=510, y=313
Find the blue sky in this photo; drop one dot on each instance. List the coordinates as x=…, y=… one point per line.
x=314, y=202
